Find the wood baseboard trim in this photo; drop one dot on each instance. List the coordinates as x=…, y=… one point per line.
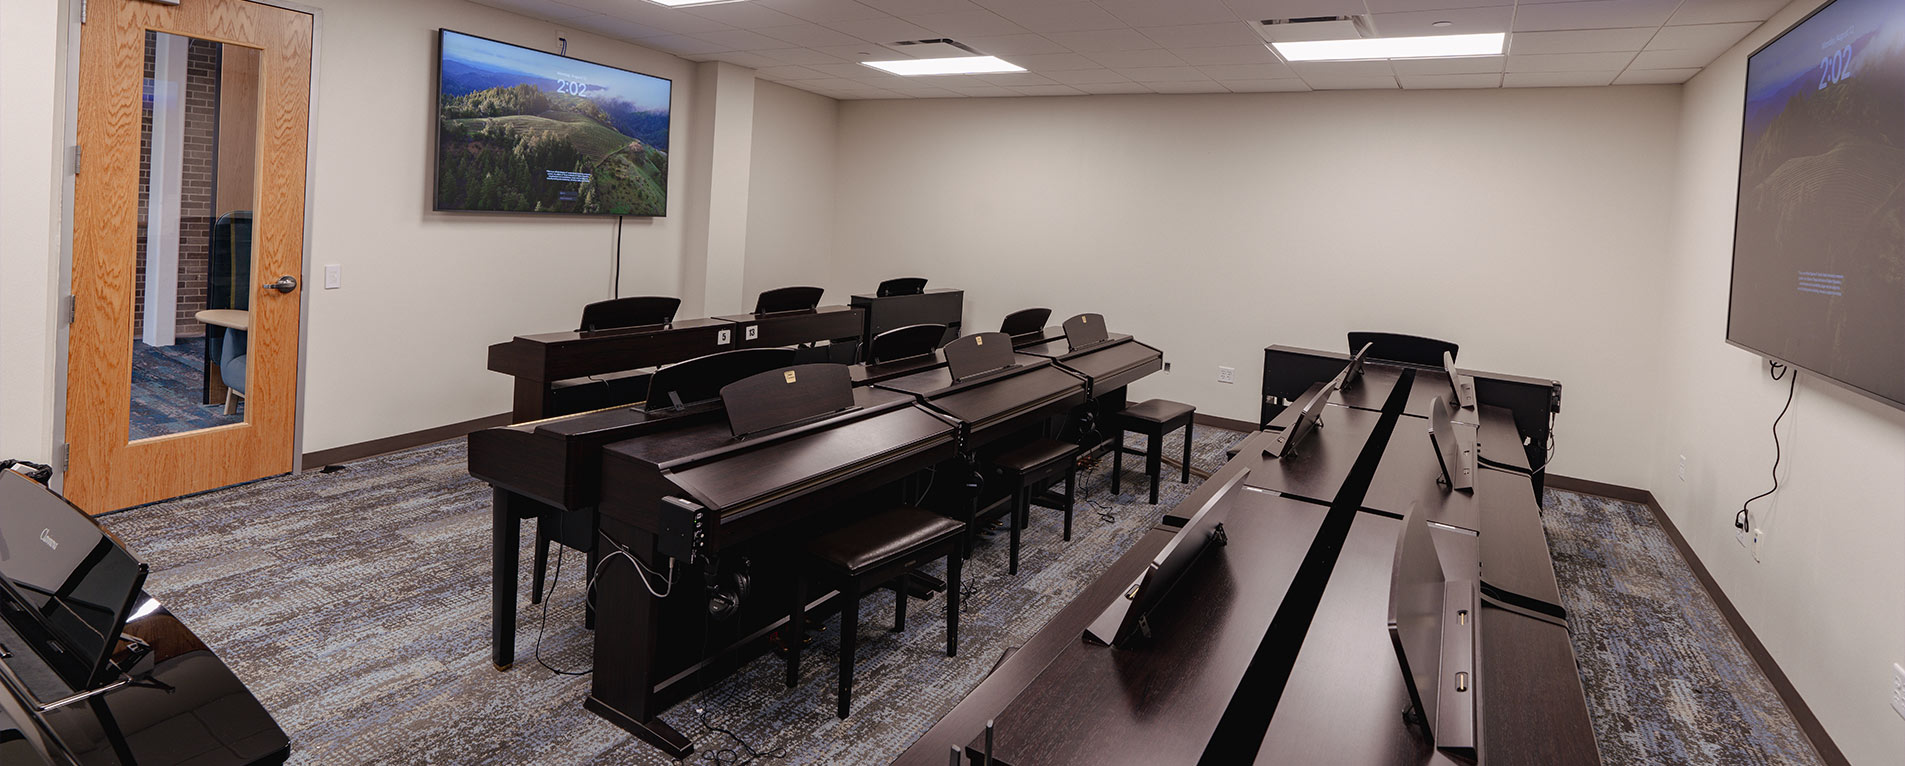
x=1202, y=419
x=1808, y=723
x=359, y=451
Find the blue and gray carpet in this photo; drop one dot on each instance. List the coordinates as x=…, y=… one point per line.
x=168, y=389
x=355, y=604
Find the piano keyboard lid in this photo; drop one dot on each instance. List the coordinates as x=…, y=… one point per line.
x=1032, y=382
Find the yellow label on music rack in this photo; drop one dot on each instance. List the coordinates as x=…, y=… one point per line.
x=978, y=340
x=789, y=375
x=1084, y=319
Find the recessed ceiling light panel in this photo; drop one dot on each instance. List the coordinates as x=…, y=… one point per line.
x=1432, y=46
x=956, y=65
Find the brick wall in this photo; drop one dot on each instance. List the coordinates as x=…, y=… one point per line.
x=198, y=179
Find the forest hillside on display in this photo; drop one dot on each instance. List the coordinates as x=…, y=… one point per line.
x=514, y=139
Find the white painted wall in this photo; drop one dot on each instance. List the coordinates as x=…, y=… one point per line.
x=791, y=191
x=30, y=125
x=401, y=347
x=1527, y=225
x=1825, y=594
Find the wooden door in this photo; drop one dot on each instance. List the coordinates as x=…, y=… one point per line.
x=188, y=210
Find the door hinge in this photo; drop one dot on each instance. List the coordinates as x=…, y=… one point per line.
x=66, y=456
x=82, y=11
x=75, y=159
x=69, y=308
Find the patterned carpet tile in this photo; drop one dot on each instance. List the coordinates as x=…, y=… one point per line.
x=168, y=385
x=356, y=605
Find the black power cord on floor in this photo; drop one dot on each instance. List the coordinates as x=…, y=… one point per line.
x=1744, y=518
x=546, y=598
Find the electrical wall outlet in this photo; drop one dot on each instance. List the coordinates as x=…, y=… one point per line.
x=1683, y=467
x=753, y=331
x=1167, y=368
x=1898, y=689
x=1759, y=535
x=723, y=337
x=1226, y=374
x=333, y=276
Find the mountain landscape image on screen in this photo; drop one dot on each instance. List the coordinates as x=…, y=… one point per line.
x=524, y=131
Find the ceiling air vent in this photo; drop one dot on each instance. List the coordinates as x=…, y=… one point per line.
x=1308, y=28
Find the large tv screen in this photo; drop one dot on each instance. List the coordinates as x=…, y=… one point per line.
x=520, y=130
x=1819, y=242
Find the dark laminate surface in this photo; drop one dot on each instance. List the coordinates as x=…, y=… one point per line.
x=1158, y=700
x=1321, y=462
x=1118, y=362
x=1496, y=438
x=557, y=461
x=1526, y=661
x=1035, y=389
x=1514, y=545
x=937, y=305
x=208, y=717
x=868, y=374
x=1409, y=473
x=774, y=330
x=1379, y=378
x=1344, y=700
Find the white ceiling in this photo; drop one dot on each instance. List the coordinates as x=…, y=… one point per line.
x=1075, y=47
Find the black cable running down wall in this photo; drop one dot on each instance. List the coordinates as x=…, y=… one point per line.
x=1247, y=717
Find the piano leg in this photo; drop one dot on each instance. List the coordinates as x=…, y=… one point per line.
x=627, y=640
x=505, y=536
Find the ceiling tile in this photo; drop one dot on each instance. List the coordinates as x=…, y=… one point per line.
x=984, y=90
x=1556, y=79
x=1712, y=38
x=1309, y=70
x=1430, y=81
x=1581, y=40
x=1394, y=6
x=1570, y=62
x=849, y=71
x=1203, y=35
x=887, y=30
x=789, y=72
x=1463, y=65
x=1052, y=62
x=1593, y=14
x=979, y=23
x=683, y=44
x=1718, y=11
x=1655, y=76
x=1086, y=76
x=1012, y=45
x=1246, y=71
x=1048, y=90
x=1153, y=13
x=919, y=7
x=743, y=15
x=1671, y=60
x=744, y=58
x=741, y=40
x=863, y=51
x=1351, y=82
x=823, y=11
x=1280, y=85
x=1060, y=17
x=799, y=56
x=1188, y=86
x=927, y=92
x=1258, y=10
x=615, y=27
x=809, y=35
x=1229, y=54
x=1144, y=58
x=1464, y=21
x=1114, y=88
x=540, y=9
x=1013, y=79
x=1103, y=40
x=1162, y=74
x=674, y=21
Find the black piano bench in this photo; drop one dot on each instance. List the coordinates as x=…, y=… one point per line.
x=869, y=554
x=1029, y=470
x=1153, y=418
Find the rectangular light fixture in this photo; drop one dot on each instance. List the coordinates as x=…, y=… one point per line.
x=955, y=65
x=686, y=3
x=1359, y=49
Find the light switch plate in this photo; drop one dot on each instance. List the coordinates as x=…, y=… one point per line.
x=723, y=337
x=753, y=331
x=333, y=276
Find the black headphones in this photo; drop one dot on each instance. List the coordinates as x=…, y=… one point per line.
x=724, y=598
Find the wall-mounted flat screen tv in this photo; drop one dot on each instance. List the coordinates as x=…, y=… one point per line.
x=523, y=131
x=1819, y=241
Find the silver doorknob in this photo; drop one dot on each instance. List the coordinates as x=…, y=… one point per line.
x=284, y=284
